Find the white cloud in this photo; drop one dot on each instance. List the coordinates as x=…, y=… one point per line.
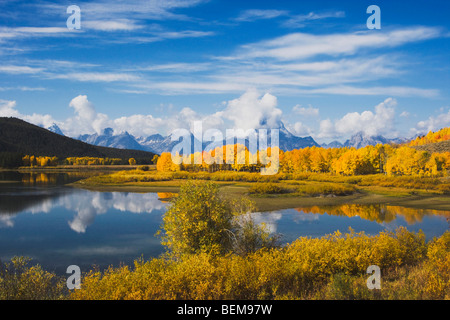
x=149, y=9
x=259, y=14
x=23, y=88
x=302, y=45
x=251, y=111
x=11, y=69
x=177, y=67
x=433, y=123
x=300, y=129
x=404, y=114
x=7, y=108
x=112, y=25
x=370, y=91
x=298, y=21
x=326, y=129
x=371, y=123
x=97, y=77
x=306, y=112
x=86, y=119
x=184, y=34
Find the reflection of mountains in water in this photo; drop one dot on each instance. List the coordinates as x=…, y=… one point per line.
x=85, y=204
x=12, y=202
x=376, y=212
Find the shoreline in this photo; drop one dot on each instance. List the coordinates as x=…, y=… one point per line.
x=429, y=201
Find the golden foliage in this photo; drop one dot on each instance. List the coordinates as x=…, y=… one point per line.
x=432, y=137
x=306, y=268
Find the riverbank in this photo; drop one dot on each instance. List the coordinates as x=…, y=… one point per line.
x=70, y=168
x=419, y=198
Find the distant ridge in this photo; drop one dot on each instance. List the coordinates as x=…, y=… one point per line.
x=158, y=144
x=442, y=146
x=22, y=137
x=361, y=140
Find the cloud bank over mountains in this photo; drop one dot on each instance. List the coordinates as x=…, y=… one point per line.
x=251, y=110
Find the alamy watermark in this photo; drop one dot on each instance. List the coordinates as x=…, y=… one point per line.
x=74, y=20
x=374, y=21
x=374, y=281
x=74, y=280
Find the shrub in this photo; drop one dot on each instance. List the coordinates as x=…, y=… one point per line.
x=268, y=188
x=19, y=280
x=326, y=189
x=200, y=219
x=333, y=267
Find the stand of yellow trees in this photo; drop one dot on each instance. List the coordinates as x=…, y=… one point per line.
x=40, y=161
x=44, y=161
x=432, y=137
x=386, y=159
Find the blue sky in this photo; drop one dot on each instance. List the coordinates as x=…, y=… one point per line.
x=154, y=66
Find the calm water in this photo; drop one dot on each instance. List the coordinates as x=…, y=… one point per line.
x=58, y=226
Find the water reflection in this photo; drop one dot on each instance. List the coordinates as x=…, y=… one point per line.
x=165, y=197
x=42, y=179
x=58, y=226
x=88, y=206
x=378, y=212
x=85, y=204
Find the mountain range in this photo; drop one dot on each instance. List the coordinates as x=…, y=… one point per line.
x=361, y=140
x=158, y=144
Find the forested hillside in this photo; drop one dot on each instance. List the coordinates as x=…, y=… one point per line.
x=18, y=137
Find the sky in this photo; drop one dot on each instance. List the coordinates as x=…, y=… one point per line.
x=153, y=66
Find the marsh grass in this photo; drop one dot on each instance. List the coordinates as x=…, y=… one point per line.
x=439, y=185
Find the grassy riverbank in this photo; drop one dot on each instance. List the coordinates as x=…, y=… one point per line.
x=283, y=191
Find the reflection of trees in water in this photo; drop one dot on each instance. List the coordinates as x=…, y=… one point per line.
x=13, y=203
x=164, y=197
x=376, y=212
x=86, y=204
x=46, y=178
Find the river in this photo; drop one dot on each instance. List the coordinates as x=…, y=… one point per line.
x=57, y=225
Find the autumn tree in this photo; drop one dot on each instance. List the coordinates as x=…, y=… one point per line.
x=407, y=161
x=200, y=219
x=155, y=159
x=165, y=163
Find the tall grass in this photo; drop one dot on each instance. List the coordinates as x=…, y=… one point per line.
x=329, y=182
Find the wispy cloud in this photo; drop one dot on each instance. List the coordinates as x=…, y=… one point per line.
x=288, y=19
x=179, y=67
x=306, y=112
x=149, y=9
x=12, y=69
x=374, y=90
x=17, y=33
x=299, y=21
x=258, y=14
x=112, y=25
x=22, y=88
x=304, y=45
x=97, y=77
